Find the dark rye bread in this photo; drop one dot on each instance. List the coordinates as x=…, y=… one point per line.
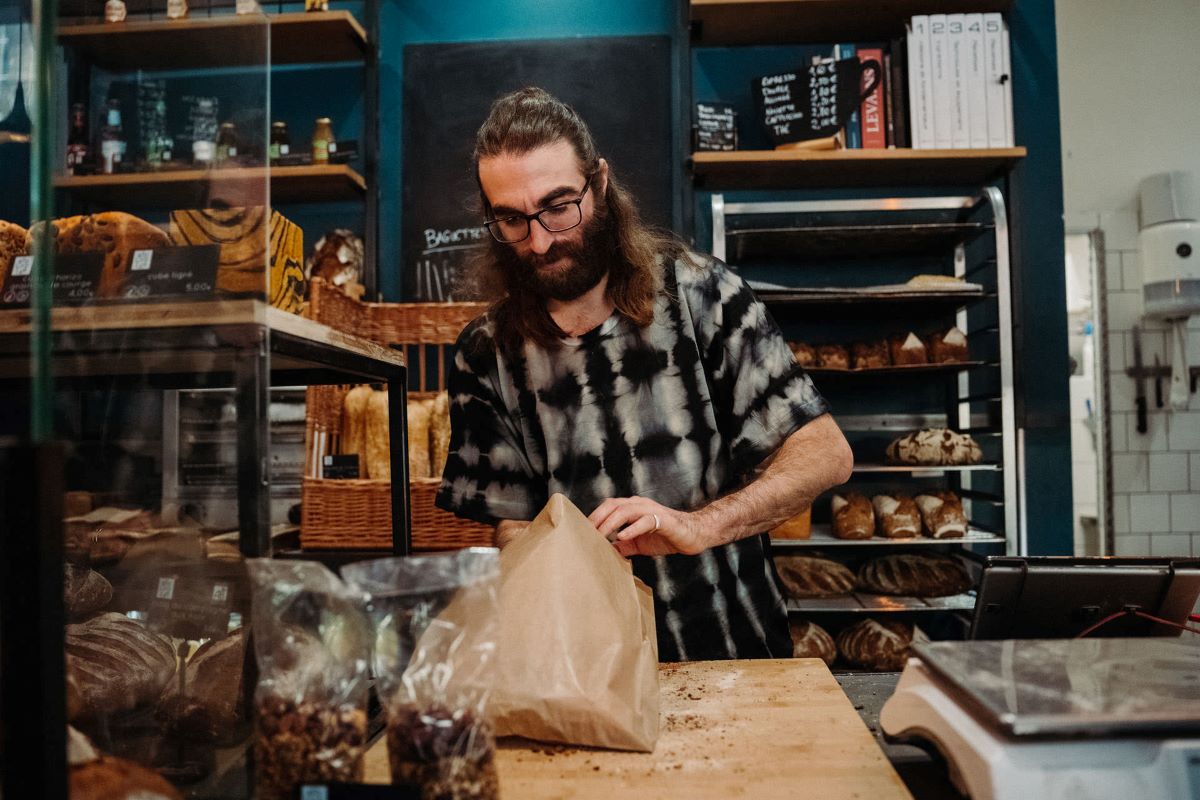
x=85, y=591
x=810, y=640
x=914, y=576
x=806, y=576
x=210, y=703
x=875, y=645
x=116, y=663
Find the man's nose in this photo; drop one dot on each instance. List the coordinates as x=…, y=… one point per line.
x=540, y=239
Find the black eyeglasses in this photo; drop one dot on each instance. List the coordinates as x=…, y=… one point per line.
x=555, y=218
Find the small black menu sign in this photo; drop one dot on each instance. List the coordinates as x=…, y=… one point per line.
x=76, y=277
x=172, y=272
x=783, y=106
x=190, y=607
x=359, y=791
x=716, y=127
x=340, y=466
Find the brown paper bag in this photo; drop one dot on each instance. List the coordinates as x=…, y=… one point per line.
x=578, y=657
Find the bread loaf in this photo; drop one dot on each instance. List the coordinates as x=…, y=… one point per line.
x=117, y=664
x=108, y=778
x=419, y=413
x=807, y=576
x=935, y=282
x=798, y=527
x=210, y=703
x=812, y=641
x=85, y=591
x=806, y=355
x=875, y=645
x=942, y=514
x=853, y=517
x=934, y=447
x=896, y=516
x=116, y=235
x=378, y=438
x=914, y=576
x=354, y=425
x=908, y=349
x=870, y=355
x=948, y=347
x=439, y=434
x=833, y=356
x=14, y=241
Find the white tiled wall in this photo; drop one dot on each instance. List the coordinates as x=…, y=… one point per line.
x=1156, y=475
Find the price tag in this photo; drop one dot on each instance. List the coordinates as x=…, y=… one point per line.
x=76, y=277
x=190, y=607
x=172, y=272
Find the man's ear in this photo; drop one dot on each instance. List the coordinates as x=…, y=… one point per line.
x=601, y=178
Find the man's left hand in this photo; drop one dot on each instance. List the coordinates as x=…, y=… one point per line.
x=638, y=526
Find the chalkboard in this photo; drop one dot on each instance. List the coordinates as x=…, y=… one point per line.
x=815, y=101
x=621, y=86
x=715, y=127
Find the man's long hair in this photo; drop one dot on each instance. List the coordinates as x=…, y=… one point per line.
x=519, y=123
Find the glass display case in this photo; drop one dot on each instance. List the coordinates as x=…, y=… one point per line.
x=151, y=295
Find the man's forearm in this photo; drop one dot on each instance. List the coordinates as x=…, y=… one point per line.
x=810, y=461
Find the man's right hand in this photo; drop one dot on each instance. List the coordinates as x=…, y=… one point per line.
x=507, y=530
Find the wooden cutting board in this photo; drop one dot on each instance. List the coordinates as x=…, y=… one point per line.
x=762, y=729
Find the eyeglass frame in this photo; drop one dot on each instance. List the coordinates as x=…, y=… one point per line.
x=537, y=215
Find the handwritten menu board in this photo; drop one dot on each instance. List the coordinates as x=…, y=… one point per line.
x=801, y=105
x=716, y=127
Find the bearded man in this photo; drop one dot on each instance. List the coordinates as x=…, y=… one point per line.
x=642, y=380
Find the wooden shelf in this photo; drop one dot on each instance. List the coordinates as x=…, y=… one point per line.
x=784, y=169
x=932, y=470
x=894, y=372
x=823, y=538
x=741, y=22
x=225, y=41
x=198, y=188
x=863, y=603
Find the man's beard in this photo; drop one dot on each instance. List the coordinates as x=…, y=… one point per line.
x=589, y=260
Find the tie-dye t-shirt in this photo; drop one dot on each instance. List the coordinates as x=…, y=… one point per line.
x=680, y=411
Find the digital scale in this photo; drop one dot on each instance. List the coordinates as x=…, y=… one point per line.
x=1064, y=718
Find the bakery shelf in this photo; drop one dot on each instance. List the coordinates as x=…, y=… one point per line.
x=854, y=241
x=784, y=169
x=225, y=41
x=741, y=22
x=862, y=603
x=199, y=188
x=893, y=372
x=822, y=537
x=931, y=469
x=852, y=304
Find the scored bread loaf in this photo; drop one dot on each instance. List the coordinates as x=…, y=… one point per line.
x=439, y=434
x=810, y=640
x=934, y=447
x=914, y=576
x=808, y=576
x=833, y=356
x=870, y=355
x=875, y=645
x=109, y=778
x=948, y=347
x=896, y=516
x=354, y=425
x=908, y=349
x=116, y=663
x=211, y=701
x=378, y=444
x=942, y=513
x=853, y=517
x=85, y=591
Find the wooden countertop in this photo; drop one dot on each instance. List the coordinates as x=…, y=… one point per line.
x=761, y=729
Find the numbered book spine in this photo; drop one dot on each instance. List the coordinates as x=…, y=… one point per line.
x=998, y=81
x=956, y=39
x=874, y=136
x=920, y=82
x=844, y=52
x=939, y=55
x=977, y=123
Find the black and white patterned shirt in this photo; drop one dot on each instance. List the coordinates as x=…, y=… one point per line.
x=680, y=412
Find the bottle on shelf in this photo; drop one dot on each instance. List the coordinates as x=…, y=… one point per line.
x=281, y=143
x=112, y=139
x=79, y=149
x=227, y=149
x=323, y=143
x=114, y=11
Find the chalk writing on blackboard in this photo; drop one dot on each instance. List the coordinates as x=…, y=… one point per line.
x=715, y=128
x=780, y=105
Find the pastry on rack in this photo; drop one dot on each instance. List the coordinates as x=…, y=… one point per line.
x=809, y=576
x=870, y=355
x=853, y=517
x=810, y=640
x=896, y=516
x=833, y=356
x=935, y=282
x=942, y=514
x=934, y=447
x=907, y=349
x=875, y=645
x=910, y=575
x=806, y=354
x=948, y=347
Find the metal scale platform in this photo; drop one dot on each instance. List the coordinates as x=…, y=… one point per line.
x=1065, y=718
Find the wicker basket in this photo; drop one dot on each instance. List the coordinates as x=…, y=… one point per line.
x=341, y=514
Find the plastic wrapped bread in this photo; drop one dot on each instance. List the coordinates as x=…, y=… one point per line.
x=896, y=516
x=853, y=517
x=942, y=514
